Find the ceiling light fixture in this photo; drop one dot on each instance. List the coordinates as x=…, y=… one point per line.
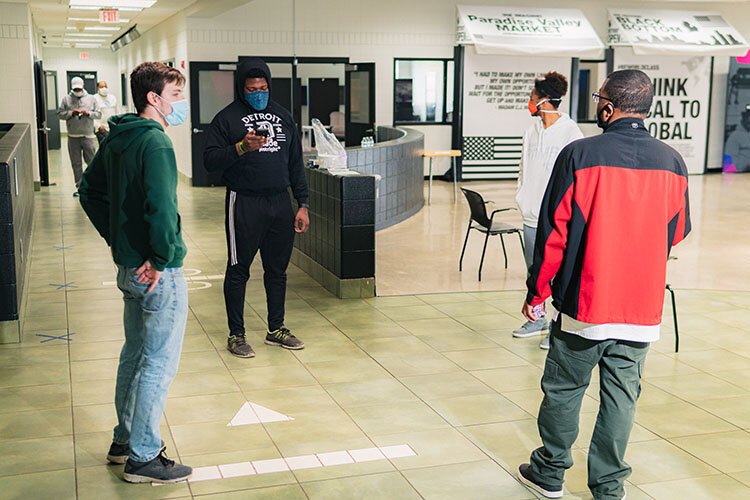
x=102, y=28
x=121, y=9
x=113, y=4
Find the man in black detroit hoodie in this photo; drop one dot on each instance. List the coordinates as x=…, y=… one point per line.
x=254, y=142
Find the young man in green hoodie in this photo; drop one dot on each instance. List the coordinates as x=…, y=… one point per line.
x=129, y=192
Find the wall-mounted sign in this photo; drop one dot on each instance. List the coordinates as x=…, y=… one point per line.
x=495, y=116
x=83, y=55
x=518, y=30
x=109, y=16
x=682, y=93
x=674, y=32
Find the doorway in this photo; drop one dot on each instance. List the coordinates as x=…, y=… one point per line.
x=53, y=121
x=40, y=92
x=360, y=102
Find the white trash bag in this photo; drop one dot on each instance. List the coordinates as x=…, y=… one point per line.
x=331, y=154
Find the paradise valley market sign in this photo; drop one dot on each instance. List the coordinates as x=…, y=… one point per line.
x=518, y=30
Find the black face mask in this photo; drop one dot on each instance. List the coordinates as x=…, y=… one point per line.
x=600, y=121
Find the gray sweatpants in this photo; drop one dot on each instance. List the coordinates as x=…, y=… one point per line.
x=529, y=237
x=78, y=146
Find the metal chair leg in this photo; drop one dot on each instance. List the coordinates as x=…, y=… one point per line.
x=674, y=318
x=463, y=250
x=523, y=245
x=484, y=249
x=505, y=254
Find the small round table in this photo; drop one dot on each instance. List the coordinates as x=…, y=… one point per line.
x=443, y=153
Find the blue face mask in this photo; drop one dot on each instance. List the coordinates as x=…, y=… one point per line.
x=179, y=113
x=258, y=100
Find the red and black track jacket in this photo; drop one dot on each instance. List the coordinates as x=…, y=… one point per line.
x=615, y=205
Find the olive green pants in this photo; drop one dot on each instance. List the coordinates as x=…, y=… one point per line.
x=567, y=374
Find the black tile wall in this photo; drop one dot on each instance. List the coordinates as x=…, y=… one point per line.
x=16, y=214
x=341, y=237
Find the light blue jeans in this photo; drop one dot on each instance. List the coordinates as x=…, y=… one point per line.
x=154, y=329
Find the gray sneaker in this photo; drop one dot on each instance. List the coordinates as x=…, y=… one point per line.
x=284, y=338
x=159, y=470
x=237, y=345
x=544, y=344
x=531, y=329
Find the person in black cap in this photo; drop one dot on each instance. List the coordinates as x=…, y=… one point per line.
x=255, y=144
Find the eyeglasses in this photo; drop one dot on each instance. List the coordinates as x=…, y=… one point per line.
x=596, y=96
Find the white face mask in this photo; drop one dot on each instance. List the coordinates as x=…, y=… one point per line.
x=78, y=93
x=104, y=91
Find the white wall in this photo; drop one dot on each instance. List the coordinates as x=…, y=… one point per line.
x=367, y=32
x=167, y=40
x=62, y=60
x=17, y=102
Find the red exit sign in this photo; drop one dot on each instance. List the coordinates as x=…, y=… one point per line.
x=109, y=16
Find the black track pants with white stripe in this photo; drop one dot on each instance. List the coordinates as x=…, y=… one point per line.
x=253, y=223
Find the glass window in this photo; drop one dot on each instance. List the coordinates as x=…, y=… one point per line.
x=423, y=91
x=216, y=91
x=591, y=76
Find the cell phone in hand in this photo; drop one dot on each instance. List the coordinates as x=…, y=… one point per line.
x=261, y=132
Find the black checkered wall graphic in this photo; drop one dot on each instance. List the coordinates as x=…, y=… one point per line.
x=479, y=148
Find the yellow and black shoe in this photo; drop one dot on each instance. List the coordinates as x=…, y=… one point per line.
x=284, y=338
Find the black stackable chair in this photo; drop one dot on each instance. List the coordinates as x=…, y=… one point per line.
x=483, y=223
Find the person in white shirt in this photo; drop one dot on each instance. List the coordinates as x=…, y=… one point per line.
x=108, y=106
x=542, y=142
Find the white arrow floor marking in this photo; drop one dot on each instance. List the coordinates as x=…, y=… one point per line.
x=329, y=459
x=251, y=413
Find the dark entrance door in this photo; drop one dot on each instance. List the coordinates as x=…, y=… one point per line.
x=53, y=100
x=41, y=122
x=360, y=102
x=323, y=98
x=211, y=89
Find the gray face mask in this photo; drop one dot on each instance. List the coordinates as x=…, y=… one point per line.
x=78, y=93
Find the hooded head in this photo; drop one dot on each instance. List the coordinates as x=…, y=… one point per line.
x=253, y=68
x=76, y=85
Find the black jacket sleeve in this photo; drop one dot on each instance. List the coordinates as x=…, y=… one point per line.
x=297, y=177
x=220, y=152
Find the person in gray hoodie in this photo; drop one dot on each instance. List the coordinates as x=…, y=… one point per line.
x=79, y=109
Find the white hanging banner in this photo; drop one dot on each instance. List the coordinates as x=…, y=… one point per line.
x=682, y=92
x=671, y=32
x=496, y=114
x=519, y=30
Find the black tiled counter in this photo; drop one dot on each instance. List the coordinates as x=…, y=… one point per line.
x=338, y=250
x=16, y=217
x=397, y=159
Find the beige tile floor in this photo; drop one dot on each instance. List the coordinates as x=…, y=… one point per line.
x=421, y=254
x=437, y=371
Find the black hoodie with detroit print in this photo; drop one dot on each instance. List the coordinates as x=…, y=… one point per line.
x=270, y=170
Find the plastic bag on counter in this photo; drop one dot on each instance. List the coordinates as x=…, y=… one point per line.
x=331, y=154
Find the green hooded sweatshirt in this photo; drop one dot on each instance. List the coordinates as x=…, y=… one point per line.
x=129, y=191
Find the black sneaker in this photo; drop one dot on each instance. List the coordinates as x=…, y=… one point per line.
x=546, y=490
x=118, y=453
x=159, y=470
x=75, y=194
x=237, y=345
x=284, y=338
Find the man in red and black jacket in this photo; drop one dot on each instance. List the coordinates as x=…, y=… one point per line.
x=615, y=205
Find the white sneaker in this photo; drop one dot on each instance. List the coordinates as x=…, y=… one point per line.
x=531, y=329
